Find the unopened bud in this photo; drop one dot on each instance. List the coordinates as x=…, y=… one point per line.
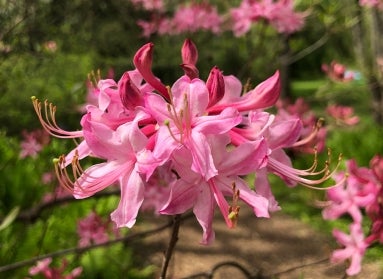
x=216, y=86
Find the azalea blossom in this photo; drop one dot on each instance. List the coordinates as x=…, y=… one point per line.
x=180, y=147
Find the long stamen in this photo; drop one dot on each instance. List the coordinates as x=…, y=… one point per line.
x=94, y=78
x=299, y=175
x=62, y=175
x=167, y=124
x=48, y=120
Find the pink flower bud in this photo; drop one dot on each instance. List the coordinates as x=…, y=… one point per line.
x=131, y=96
x=216, y=86
x=189, y=53
x=143, y=61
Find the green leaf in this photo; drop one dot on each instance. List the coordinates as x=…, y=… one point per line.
x=10, y=218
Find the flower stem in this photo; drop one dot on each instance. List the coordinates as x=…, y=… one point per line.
x=171, y=246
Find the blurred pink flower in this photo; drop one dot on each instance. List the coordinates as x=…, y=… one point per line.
x=149, y=5
x=338, y=72
x=343, y=115
x=371, y=3
x=280, y=14
x=348, y=198
x=354, y=248
x=33, y=143
x=187, y=18
x=42, y=267
x=50, y=46
x=92, y=230
x=195, y=17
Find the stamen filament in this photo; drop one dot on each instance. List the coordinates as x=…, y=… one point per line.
x=48, y=121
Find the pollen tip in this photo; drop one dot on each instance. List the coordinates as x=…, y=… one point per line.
x=55, y=160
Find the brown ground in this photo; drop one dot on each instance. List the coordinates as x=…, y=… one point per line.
x=268, y=246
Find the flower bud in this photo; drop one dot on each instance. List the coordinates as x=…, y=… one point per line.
x=216, y=86
x=189, y=53
x=143, y=61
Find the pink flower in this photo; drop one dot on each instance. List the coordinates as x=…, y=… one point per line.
x=243, y=17
x=196, y=17
x=358, y=190
x=120, y=148
x=284, y=18
x=180, y=147
x=354, y=248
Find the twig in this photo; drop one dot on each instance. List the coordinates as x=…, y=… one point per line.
x=80, y=250
x=172, y=244
x=33, y=213
x=320, y=42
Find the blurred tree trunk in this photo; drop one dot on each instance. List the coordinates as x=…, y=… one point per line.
x=368, y=44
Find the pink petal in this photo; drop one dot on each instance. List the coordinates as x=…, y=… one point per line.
x=132, y=196
x=98, y=177
x=204, y=212
x=183, y=196
x=262, y=96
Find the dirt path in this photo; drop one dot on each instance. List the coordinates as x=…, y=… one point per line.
x=270, y=246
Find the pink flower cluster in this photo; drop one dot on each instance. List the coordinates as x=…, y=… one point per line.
x=42, y=267
x=280, y=14
x=182, y=147
x=360, y=192
x=186, y=19
x=193, y=17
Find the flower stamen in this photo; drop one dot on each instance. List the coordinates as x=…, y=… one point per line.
x=48, y=120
